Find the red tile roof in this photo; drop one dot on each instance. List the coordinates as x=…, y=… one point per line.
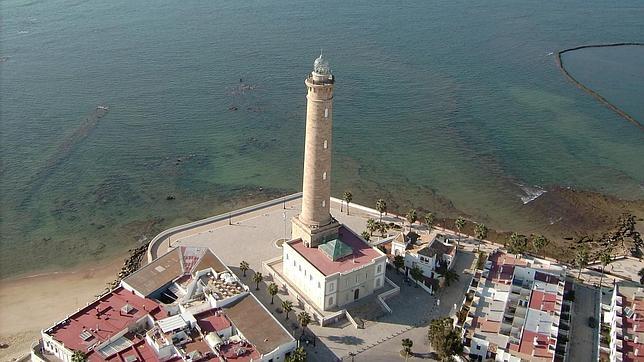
x=362, y=254
x=545, y=302
x=229, y=350
x=210, y=321
x=541, y=349
x=102, y=319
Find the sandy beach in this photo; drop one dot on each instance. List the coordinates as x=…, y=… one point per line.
x=31, y=303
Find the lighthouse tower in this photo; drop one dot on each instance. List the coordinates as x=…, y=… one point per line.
x=315, y=225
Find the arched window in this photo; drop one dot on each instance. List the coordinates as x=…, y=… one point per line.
x=326, y=144
x=324, y=176
x=326, y=113
x=323, y=203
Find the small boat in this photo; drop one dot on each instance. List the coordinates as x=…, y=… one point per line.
x=549, y=54
x=103, y=108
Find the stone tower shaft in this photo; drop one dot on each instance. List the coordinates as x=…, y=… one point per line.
x=315, y=224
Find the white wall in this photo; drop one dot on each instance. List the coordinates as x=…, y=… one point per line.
x=304, y=276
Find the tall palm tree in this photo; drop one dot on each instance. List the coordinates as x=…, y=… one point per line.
x=304, y=319
x=517, y=244
x=641, y=275
x=371, y=225
x=605, y=258
x=257, y=278
x=382, y=228
x=412, y=217
x=272, y=290
x=450, y=277
x=243, y=266
x=539, y=242
x=399, y=262
x=348, y=197
x=429, y=221
x=581, y=260
x=298, y=355
x=381, y=206
x=416, y=274
x=406, y=345
x=460, y=224
x=481, y=234
x=287, y=306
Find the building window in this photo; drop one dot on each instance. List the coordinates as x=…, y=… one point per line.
x=378, y=270
x=304, y=272
x=326, y=144
x=326, y=113
x=323, y=203
x=324, y=176
x=356, y=278
x=310, y=276
x=331, y=287
x=286, y=256
x=293, y=262
x=346, y=282
x=319, y=286
x=300, y=267
x=330, y=300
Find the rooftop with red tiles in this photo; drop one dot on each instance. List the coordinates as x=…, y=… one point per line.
x=545, y=302
x=102, y=319
x=363, y=254
x=540, y=350
x=212, y=321
x=140, y=350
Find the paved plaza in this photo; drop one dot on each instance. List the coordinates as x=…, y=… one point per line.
x=252, y=237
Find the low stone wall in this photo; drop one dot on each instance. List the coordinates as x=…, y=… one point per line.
x=164, y=235
x=594, y=94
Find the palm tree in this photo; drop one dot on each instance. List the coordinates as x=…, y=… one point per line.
x=304, y=319
x=460, y=224
x=381, y=206
x=257, y=278
x=412, y=217
x=406, y=345
x=517, y=244
x=581, y=260
x=79, y=356
x=399, y=262
x=366, y=235
x=416, y=274
x=450, y=277
x=272, y=290
x=641, y=275
x=382, y=228
x=287, y=306
x=243, y=266
x=371, y=225
x=298, y=355
x=429, y=221
x=605, y=258
x=481, y=234
x=539, y=242
x=348, y=197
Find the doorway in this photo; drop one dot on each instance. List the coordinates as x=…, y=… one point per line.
x=356, y=294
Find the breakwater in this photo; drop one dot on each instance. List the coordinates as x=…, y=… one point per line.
x=586, y=89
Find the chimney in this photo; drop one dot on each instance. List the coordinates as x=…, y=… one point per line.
x=535, y=342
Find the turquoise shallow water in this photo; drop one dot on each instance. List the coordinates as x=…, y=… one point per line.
x=445, y=105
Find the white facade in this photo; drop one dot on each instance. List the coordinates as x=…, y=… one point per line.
x=336, y=290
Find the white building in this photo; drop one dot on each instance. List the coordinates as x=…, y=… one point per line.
x=335, y=273
x=625, y=318
x=428, y=252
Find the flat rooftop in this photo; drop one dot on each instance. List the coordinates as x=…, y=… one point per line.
x=171, y=265
x=101, y=319
x=362, y=254
x=256, y=324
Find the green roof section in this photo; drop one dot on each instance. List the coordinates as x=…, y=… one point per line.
x=335, y=249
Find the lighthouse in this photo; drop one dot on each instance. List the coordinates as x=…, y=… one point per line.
x=315, y=225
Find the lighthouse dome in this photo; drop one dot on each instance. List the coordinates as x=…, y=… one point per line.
x=321, y=66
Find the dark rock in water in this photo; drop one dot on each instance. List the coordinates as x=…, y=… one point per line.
x=170, y=197
x=232, y=108
x=261, y=188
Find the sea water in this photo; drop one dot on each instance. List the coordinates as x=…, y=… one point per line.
x=453, y=106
